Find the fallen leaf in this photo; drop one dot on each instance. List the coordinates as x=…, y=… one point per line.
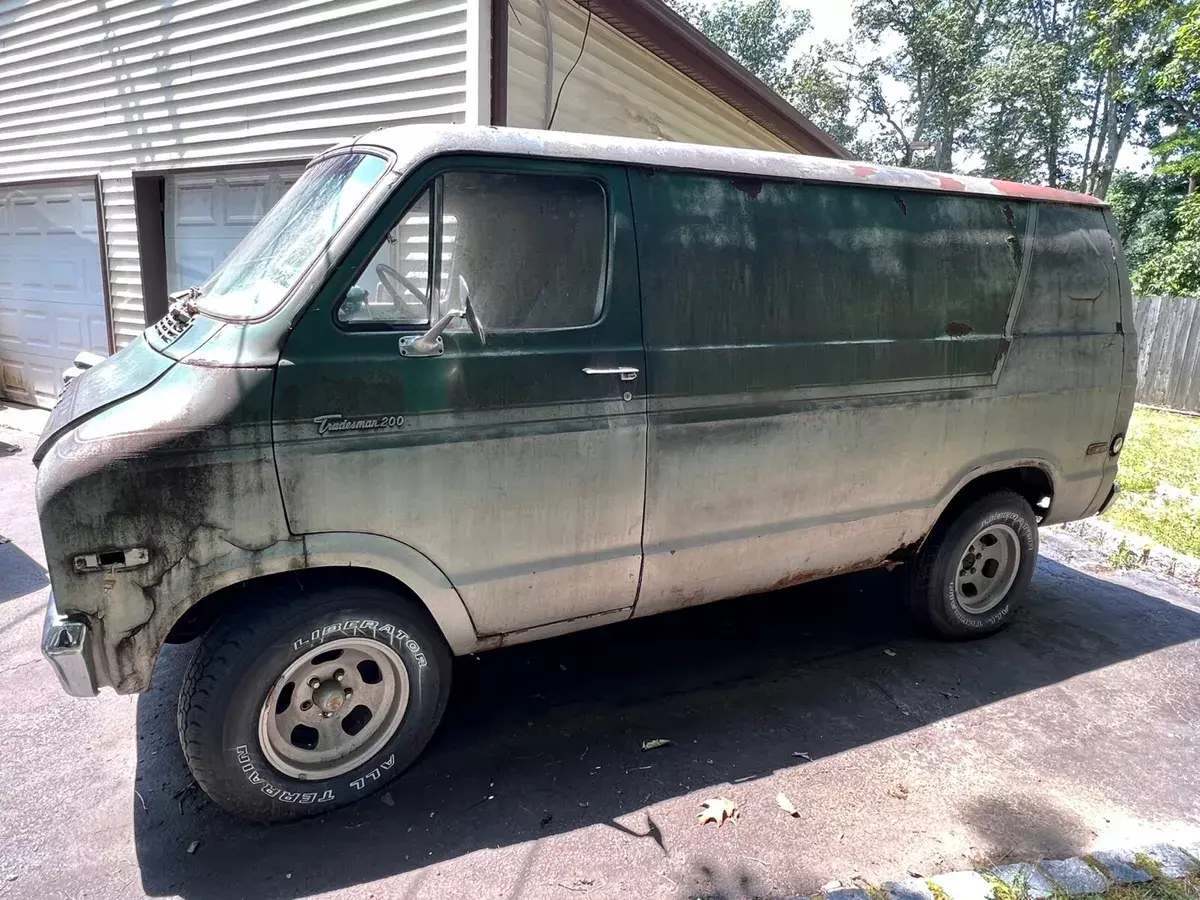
x=387, y=799
x=890, y=652
x=801, y=755
x=654, y=744
x=786, y=805
x=899, y=792
x=915, y=874
x=718, y=810
x=192, y=846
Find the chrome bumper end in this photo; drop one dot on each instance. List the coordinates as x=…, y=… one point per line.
x=1108, y=501
x=66, y=644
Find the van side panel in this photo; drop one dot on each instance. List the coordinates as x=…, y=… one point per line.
x=1068, y=351
x=828, y=363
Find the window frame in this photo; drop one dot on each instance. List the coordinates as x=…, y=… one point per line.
x=434, y=186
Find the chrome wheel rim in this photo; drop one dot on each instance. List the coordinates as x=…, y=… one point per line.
x=333, y=709
x=988, y=568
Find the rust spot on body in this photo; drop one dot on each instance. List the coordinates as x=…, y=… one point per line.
x=803, y=576
x=1039, y=192
x=751, y=187
x=958, y=329
x=900, y=203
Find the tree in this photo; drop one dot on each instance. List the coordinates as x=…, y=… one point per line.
x=819, y=84
x=1144, y=206
x=1030, y=92
x=938, y=66
x=760, y=34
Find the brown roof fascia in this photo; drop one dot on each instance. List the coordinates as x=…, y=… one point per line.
x=666, y=34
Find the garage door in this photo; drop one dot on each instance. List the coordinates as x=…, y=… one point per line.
x=207, y=213
x=51, y=290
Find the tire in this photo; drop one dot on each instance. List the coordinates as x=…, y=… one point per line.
x=243, y=751
x=954, y=591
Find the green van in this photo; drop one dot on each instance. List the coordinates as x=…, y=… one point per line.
x=467, y=387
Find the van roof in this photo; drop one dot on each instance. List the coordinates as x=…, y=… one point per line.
x=413, y=144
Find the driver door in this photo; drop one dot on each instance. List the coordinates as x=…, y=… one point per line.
x=515, y=464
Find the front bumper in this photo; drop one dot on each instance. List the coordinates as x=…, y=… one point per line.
x=66, y=644
x=1108, y=501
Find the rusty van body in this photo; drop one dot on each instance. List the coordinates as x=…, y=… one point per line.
x=533, y=382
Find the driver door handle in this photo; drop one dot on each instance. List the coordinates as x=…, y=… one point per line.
x=627, y=373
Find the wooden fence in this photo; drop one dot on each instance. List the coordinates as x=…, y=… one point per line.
x=1168, y=330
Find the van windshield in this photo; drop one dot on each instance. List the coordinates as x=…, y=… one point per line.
x=256, y=276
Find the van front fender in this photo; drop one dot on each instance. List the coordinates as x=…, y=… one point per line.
x=135, y=619
x=407, y=565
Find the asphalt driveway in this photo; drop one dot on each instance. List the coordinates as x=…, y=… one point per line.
x=1076, y=727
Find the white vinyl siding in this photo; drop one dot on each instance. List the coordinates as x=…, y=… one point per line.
x=121, y=85
x=618, y=88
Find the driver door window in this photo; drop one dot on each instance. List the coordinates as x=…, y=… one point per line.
x=394, y=287
x=531, y=249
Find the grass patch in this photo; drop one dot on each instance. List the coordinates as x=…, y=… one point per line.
x=1018, y=890
x=1158, y=889
x=1160, y=478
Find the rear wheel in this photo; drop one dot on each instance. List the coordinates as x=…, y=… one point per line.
x=970, y=576
x=307, y=703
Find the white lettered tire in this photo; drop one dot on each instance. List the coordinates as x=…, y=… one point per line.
x=971, y=575
x=308, y=702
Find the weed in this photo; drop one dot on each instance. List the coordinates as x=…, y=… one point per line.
x=1147, y=864
x=1123, y=558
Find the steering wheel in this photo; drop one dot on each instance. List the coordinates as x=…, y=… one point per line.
x=393, y=282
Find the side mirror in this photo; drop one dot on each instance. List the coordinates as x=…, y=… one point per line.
x=430, y=343
x=469, y=312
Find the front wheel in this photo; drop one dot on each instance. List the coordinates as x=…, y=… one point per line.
x=307, y=703
x=970, y=576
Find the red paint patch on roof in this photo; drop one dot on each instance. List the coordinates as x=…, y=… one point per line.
x=946, y=183
x=1037, y=192
x=864, y=171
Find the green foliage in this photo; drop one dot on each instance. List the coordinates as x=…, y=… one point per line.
x=1176, y=270
x=760, y=34
x=1144, y=207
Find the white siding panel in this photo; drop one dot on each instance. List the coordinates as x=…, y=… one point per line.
x=112, y=86
x=618, y=88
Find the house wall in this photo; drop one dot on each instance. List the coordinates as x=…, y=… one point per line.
x=617, y=88
x=118, y=86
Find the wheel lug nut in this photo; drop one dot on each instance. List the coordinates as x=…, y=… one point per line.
x=348, y=692
x=339, y=674
x=314, y=683
x=306, y=705
x=326, y=715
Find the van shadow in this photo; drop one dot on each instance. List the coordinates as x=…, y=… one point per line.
x=552, y=730
x=20, y=574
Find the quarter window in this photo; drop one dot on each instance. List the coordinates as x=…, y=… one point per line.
x=530, y=249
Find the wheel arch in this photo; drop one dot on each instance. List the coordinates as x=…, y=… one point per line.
x=1034, y=478
x=356, y=557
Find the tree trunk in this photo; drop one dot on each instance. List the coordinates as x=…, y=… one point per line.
x=1116, y=140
